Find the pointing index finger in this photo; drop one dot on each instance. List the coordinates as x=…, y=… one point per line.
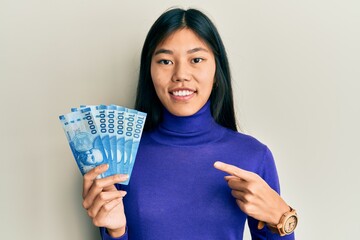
x=232, y=170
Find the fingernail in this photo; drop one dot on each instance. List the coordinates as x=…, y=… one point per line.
x=122, y=177
x=124, y=194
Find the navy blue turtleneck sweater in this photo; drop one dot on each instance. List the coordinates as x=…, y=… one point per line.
x=176, y=193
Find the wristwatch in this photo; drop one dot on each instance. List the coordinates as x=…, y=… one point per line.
x=286, y=225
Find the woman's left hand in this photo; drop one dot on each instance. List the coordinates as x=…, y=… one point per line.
x=253, y=195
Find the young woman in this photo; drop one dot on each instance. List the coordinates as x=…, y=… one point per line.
x=177, y=189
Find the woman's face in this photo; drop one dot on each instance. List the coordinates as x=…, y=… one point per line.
x=183, y=71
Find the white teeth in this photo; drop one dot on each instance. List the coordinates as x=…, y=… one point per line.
x=183, y=93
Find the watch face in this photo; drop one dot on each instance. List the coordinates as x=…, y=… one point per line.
x=290, y=224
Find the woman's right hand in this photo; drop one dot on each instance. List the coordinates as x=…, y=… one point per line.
x=103, y=202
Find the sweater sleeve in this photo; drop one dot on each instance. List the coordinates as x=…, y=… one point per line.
x=105, y=235
x=268, y=172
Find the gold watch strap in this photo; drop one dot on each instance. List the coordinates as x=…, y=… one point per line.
x=272, y=228
x=275, y=228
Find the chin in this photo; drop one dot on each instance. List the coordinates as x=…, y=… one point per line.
x=183, y=112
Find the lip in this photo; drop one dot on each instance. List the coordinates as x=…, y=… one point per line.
x=182, y=98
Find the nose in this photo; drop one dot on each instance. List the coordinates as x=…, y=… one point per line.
x=181, y=72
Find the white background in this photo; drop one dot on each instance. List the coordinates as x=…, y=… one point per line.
x=295, y=68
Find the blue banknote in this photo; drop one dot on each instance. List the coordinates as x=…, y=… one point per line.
x=130, y=116
x=100, y=118
x=111, y=130
x=120, y=138
x=84, y=140
x=118, y=133
x=137, y=133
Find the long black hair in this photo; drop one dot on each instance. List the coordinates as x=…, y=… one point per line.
x=221, y=98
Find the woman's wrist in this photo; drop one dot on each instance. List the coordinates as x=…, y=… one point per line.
x=117, y=232
x=284, y=208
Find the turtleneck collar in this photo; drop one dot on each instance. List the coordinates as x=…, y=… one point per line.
x=196, y=129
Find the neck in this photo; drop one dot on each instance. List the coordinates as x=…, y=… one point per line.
x=189, y=130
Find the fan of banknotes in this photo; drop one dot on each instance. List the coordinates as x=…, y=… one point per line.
x=104, y=135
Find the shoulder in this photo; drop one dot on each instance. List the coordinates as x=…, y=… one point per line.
x=246, y=151
x=245, y=140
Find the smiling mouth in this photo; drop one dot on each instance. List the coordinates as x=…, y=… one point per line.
x=182, y=93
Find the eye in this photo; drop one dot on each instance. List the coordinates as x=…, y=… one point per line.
x=165, y=62
x=197, y=60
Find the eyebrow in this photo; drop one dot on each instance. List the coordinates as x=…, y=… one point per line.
x=198, y=49
x=166, y=51
x=161, y=50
